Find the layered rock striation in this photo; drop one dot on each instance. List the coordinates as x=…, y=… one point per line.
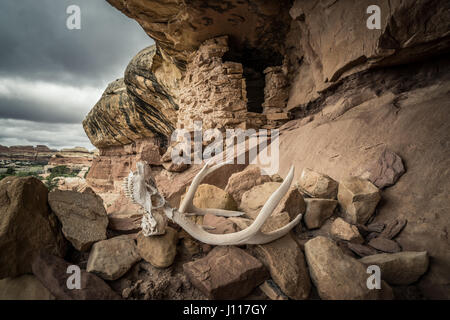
x=40, y=153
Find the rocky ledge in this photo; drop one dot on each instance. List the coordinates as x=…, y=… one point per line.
x=361, y=113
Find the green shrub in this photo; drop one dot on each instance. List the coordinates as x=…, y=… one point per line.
x=60, y=170
x=51, y=183
x=27, y=174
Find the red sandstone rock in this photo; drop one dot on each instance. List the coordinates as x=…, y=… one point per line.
x=226, y=273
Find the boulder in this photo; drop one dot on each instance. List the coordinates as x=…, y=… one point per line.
x=26, y=225
x=254, y=199
x=227, y=272
x=318, y=211
x=25, y=287
x=385, y=245
x=159, y=251
x=52, y=273
x=387, y=170
x=240, y=182
x=209, y=196
x=317, y=185
x=402, y=268
x=345, y=231
x=358, y=198
x=221, y=225
x=287, y=266
x=336, y=275
x=110, y=259
x=82, y=215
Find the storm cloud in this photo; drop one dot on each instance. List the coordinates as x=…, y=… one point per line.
x=50, y=76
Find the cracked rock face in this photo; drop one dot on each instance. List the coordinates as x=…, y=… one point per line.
x=26, y=225
x=334, y=47
x=180, y=27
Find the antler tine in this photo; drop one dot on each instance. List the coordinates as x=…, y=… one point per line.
x=187, y=203
x=250, y=235
x=261, y=238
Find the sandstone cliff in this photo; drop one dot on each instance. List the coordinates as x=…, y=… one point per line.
x=338, y=92
x=40, y=154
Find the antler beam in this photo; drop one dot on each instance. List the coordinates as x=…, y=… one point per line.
x=251, y=235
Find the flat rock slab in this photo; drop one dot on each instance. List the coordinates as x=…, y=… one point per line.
x=110, y=259
x=52, y=273
x=336, y=275
x=385, y=245
x=83, y=217
x=386, y=170
x=361, y=250
x=393, y=228
x=226, y=273
x=402, y=268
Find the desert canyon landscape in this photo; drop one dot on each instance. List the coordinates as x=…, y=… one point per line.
x=363, y=118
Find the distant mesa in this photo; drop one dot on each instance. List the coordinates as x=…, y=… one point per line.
x=42, y=154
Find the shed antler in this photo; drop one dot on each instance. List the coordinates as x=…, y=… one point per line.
x=250, y=235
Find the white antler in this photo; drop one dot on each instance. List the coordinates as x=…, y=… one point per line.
x=250, y=235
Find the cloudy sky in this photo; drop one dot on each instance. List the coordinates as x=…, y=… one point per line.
x=50, y=76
